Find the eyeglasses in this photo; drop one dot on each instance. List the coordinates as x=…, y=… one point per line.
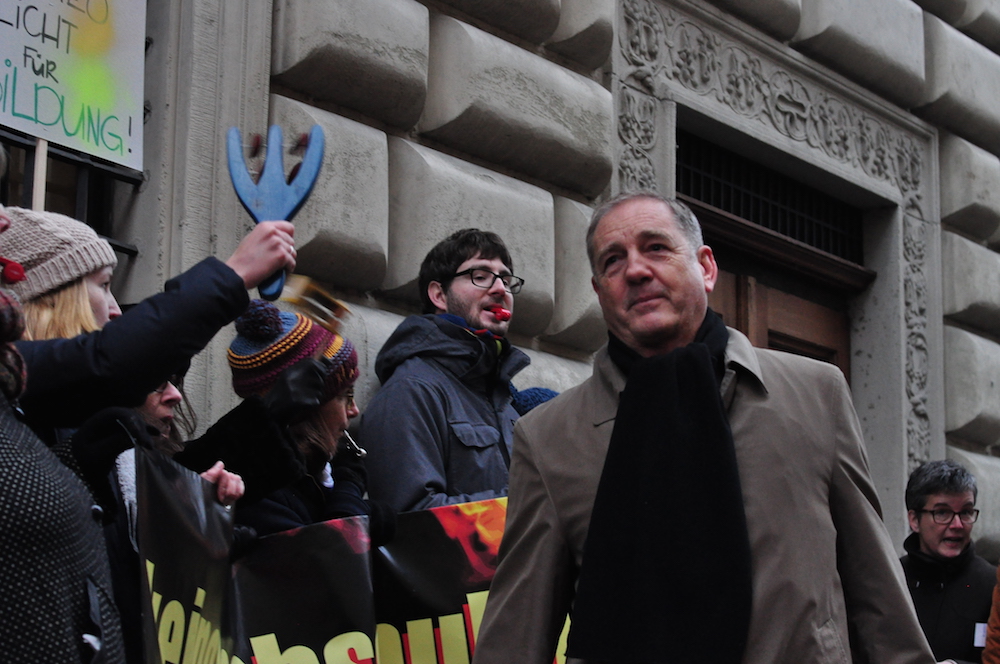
x=943, y=516
x=485, y=279
x=174, y=380
x=348, y=397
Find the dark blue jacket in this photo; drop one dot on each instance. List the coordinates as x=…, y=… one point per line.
x=440, y=429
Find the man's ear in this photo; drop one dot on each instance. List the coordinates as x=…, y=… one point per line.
x=438, y=296
x=914, y=520
x=709, y=268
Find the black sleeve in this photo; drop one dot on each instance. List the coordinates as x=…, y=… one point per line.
x=70, y=379
x=252, y=444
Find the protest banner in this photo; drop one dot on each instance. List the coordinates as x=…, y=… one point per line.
x=71, y=72
x=313, y=595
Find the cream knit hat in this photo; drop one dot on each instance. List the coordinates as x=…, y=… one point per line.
x=55, y=250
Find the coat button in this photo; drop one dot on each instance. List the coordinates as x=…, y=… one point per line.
x=97, y=512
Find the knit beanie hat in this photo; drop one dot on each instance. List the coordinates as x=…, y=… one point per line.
x=269, y=341
x=55, y=250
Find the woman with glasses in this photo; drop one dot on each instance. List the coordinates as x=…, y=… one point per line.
x=950, y=585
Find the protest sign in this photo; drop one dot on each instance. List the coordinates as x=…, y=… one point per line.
x=71, y=72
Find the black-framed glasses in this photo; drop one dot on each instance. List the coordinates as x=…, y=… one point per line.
x=943, y=516
x=484, y=278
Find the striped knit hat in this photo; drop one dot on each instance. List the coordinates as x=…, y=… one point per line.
x=269, y=341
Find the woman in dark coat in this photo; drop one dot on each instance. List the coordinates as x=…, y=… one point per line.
x=272, y=346
x=54, y=578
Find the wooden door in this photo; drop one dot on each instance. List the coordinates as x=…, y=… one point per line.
x=772, y=318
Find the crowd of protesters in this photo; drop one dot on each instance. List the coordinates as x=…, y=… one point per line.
x=83, y=383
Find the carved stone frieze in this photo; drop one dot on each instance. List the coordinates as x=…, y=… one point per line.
x=662, y=49
x=918, y=432
x=637, y=132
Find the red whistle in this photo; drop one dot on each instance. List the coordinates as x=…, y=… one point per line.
x=500, y=313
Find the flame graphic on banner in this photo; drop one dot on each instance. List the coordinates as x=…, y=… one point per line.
x=478, y=529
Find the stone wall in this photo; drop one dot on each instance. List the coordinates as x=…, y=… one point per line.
x=517, y=115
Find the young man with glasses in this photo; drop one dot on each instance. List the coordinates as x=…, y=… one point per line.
x=950, y=585
x=440, y=429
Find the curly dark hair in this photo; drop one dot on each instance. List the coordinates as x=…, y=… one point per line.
x=441, y=262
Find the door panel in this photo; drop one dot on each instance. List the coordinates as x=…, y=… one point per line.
x=775, y=319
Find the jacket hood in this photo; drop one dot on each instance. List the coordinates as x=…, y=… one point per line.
x=456, y=348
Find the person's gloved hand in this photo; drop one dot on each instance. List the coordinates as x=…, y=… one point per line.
x=97, y=444
x=297, y=390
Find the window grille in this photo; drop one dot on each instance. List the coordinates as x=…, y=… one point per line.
x=77, y=185
x=725, y=180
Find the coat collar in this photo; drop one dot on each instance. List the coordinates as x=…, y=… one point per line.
x=741, y=360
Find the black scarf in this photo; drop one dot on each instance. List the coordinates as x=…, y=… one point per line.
x=666, y=574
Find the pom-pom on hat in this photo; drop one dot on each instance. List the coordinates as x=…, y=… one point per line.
x=269, y=341
x=55, y=250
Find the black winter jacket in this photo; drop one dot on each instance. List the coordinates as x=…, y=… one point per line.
x=950, y=596
x=440, y=429
x=71, y=379
x=54, y=577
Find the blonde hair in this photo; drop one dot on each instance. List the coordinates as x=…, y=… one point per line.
x=60, y=314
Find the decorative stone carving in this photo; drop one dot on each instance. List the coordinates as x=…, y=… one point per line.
x=663, y=48
x=637, y=130
x=918, y=430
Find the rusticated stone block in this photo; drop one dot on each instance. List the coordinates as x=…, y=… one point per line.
x=962, y=85
x=980, y=19
x=971, y=276
x=985, y=28
x=341, y=233
x=577, y=320
x=972, y=387
x=878, y=43
x=778, y=18
x=552, y=371
x=533, y=20
x=491, y=99
x=367, y=55
x=586, y=31
x=433, y=195
x=970, y=187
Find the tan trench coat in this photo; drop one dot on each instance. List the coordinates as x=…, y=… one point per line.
x=822, y=559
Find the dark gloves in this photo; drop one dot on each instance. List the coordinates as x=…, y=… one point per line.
x=97, y=444
x=297, y=391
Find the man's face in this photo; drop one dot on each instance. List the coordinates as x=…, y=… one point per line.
x=465, y=299
x=943, y=540
x=653, y=287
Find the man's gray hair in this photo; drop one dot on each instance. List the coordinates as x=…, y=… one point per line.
x=934, y=477
x=685, y=218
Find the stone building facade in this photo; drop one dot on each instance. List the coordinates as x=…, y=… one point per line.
x=519, y=115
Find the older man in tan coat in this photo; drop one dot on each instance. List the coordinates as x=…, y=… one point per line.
x=696, y=499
